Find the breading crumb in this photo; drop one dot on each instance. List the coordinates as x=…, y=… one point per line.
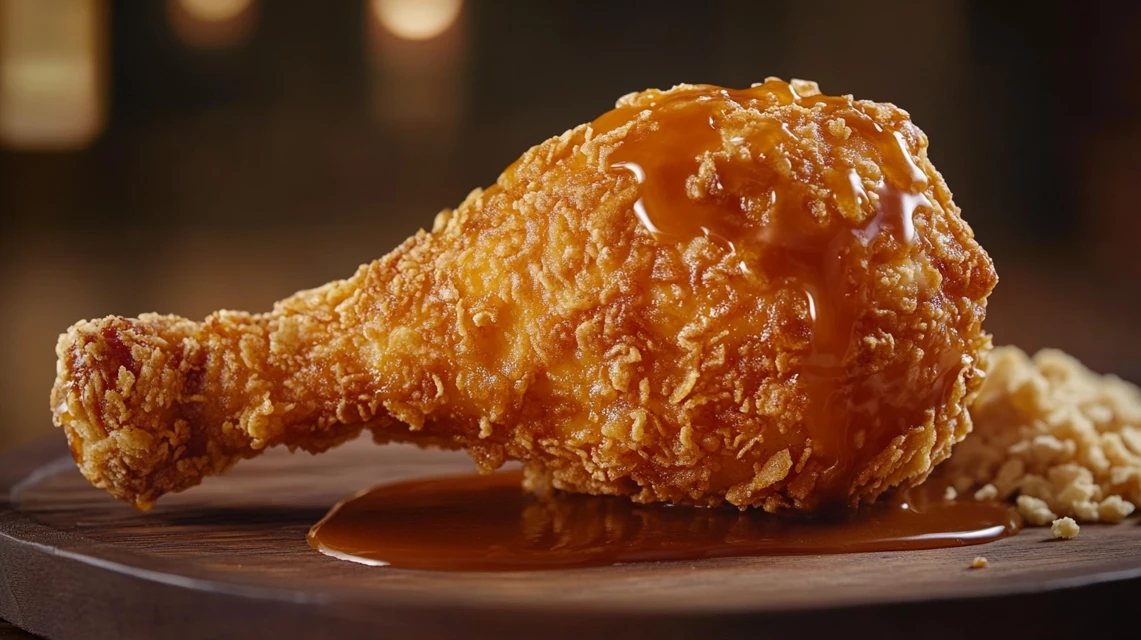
x=1065, y=528
x=1114, y=509
x=1035, y=511
x=979, y=563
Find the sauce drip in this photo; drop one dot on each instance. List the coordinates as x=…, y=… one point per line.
x=488, y=523
x=750, y=185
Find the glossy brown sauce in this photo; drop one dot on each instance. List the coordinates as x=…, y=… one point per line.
x=488, y=523
x=699, y=176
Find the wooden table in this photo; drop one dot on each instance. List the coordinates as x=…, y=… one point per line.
x=229, y=559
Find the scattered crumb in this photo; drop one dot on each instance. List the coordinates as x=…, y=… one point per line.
x=987, y=492
x=1054, y=436
x=950, y=494
x=1065, y=528
x=979, y=563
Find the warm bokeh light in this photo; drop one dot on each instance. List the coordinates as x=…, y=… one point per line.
x=215, y=10
x=212, y=24
x=52, y=73
x=418, y=55
x=416, y=19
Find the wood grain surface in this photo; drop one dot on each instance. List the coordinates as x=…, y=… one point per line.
x=229, y=559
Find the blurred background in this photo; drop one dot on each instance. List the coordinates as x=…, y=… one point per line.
x=187, y=155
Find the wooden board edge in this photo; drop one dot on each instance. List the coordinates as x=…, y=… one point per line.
x=37, y=563
x=126, y=606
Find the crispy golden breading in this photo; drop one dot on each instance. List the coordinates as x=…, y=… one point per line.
x=541, y=321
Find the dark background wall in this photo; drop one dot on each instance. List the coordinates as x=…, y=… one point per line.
x=239, y=153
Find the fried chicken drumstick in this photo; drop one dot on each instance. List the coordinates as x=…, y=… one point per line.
x=764, y=297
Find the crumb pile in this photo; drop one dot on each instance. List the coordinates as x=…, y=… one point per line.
x=1063, y=441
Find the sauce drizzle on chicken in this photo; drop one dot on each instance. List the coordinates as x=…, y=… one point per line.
x=747, y=194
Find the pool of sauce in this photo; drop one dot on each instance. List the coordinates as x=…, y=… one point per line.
x=771, y=223
x=489, y=523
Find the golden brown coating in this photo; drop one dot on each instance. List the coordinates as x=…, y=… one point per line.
x=797, y=322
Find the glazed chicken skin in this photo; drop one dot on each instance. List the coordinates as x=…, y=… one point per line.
x=763, y=297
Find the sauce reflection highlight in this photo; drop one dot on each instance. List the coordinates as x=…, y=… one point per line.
x=488, y=523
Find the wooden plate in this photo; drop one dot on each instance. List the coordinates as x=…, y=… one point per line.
x=229, y=559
